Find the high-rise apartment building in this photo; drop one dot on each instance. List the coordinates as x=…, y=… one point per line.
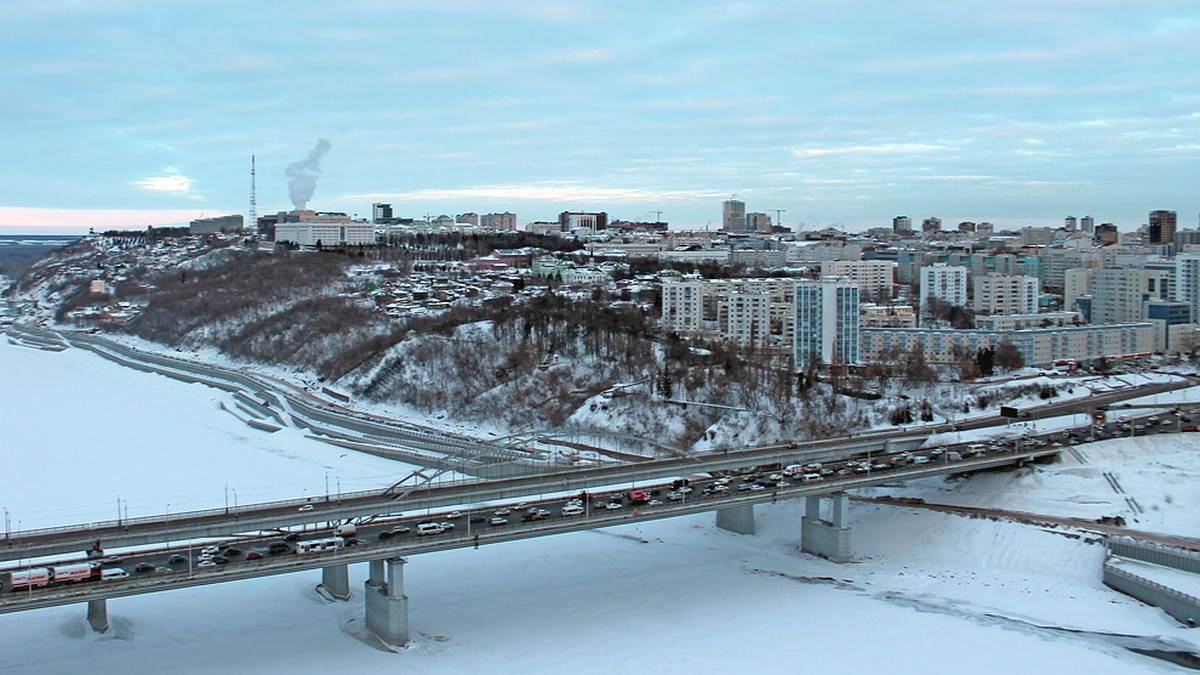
x=1069, y=223
x=758, y=222
x=1087, y=225
x=947, y=283
x=1187, y=282
x=902, y=224
x=931, y=225
x=875, y=278
x=827, y=322
x=381, y=213
x=733, y=216
x=1005, y=294
x=1162, y=227
x=498, y=221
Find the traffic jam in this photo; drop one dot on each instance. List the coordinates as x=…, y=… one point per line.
x=393, y=531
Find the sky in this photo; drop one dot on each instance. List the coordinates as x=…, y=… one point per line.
x=127, y=113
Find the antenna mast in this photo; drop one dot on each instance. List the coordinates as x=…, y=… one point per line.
x=253, y=200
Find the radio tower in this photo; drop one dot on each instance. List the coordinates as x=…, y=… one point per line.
x=253, y=224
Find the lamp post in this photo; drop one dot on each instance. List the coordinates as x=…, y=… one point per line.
x=227, y=498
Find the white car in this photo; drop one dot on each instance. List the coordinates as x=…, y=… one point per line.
x=306, y=507
x=497, y=521
x=502, y=512
x=613, y=506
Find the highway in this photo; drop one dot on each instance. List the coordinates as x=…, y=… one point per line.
x=472, y=522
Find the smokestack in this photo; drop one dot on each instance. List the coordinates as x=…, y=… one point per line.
x=302, y=175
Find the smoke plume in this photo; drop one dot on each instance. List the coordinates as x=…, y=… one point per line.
x=302, y=175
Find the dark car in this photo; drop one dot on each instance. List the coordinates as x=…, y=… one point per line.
x=177, y=558
x=220, y=560
x=386, y=534
x=144, y=567
x=278, y=547
x=232, y=551
x=292, y=536
x=254, y=555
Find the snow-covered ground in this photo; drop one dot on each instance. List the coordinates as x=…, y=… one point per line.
x=927, y=592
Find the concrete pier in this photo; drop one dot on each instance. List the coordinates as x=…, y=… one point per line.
x=738, y=519
x=335, y=579
x=387, y=606
x=97, y=615
x=827, y=538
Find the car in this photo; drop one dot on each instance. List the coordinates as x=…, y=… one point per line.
x=306, y=507
x=254, y=555
x=755, y=487
x=177, y=558
x=613, y=506
x=210, y=550
x=113, y=573
x=162, y=570
x=684, y=489
x=220, y=560
x=278, y=547
x=231, y=551
x=447, y=526
x=386, y=534
x=502, y=512
x=401, y=529
x=478, y=519
x=454, y=515
x=205, y=563
x=572, y=510
x=1188, y=427
x=353, y=541
x=144, y=567
x=496, y=521
x=654, y=502
x=424, y=529
x=292, y=536
x=112, y=560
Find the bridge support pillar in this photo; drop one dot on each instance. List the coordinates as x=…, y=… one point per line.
x=387, y=605
x=97, y=615
x=827, y=538
x=738, y=519
x=335, y=579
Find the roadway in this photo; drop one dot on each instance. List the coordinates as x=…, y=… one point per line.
x=472, y=522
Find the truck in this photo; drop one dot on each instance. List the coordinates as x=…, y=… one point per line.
x=637, y=497
x=36, y=577
x=347, y=530
x=75, y=572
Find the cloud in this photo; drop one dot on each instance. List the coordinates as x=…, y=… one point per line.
x=181, y=184
x=546, y=193
x=885, y=148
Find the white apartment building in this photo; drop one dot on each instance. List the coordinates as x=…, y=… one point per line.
x=875, y=278
x=1041, y=347
x=1005, y=294
x=1187, y=282
x=327, y=234
x=1076, y=283
x=827, y=321
x=947, y=283
x=1119, y=293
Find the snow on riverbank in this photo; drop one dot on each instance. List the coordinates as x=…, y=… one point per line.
x=926, y=593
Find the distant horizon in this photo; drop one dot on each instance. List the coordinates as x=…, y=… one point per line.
x=25, y=221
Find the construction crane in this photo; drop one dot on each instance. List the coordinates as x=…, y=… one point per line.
x=779, y=216
x=657, y=216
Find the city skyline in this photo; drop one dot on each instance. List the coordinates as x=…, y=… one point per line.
x=124, y=114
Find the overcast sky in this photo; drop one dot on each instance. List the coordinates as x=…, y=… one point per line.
x=128, y=112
